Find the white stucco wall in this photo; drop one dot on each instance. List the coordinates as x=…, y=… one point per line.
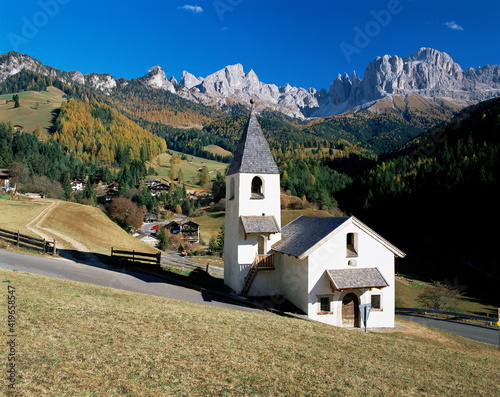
x=240, y=252
x=332, y=255
x=292, y=279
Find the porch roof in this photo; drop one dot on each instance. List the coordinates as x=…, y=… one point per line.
x=260, y=224
x=343, y=279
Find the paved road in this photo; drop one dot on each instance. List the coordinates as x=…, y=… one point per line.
x=474, y=332
x=114, y=278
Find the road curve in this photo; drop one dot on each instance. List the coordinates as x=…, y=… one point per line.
x=470, y=331
x=107, y=277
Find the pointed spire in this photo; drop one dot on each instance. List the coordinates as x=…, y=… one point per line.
x=253, y=154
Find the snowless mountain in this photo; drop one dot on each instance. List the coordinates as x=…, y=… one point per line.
x=425, y=80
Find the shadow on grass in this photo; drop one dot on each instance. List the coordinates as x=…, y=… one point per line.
x=197, y=279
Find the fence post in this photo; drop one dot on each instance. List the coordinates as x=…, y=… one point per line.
x=54, y=248
x=17, y=238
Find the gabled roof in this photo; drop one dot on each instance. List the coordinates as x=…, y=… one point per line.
x=253, y=155
x=343, y=279
x=305, y=234
x=260, y=224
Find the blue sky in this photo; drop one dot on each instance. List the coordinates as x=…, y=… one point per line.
x=303, y=43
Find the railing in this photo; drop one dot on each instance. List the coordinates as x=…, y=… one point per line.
x=134, y=256
x=264, y=261
x=22, y=240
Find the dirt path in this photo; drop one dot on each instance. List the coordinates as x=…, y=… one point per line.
x=72, y=247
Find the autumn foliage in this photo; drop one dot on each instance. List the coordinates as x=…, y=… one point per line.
x=126, y=213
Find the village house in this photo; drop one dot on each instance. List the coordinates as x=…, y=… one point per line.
x=326, y=266
x=77, y=185
x=5, y=175
x=189, y=230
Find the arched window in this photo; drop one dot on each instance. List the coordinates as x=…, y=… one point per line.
x=231, y=189
x=257, y=191
x=352, y=245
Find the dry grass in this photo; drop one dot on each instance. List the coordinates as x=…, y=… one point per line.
x=80, y=340
x=86, y=225
x=14, y=215
x=214, y=149
x=91, y=227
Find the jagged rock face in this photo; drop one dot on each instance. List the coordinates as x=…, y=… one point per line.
x=12, y=63
x=103, y=82
x=427, y=73
x=232, y=85
x=156, y=78
x=189, y=81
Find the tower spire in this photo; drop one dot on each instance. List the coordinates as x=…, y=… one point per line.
x=253, y=154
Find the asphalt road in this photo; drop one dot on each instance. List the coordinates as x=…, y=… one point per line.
x=114, y=278
x=474, y=332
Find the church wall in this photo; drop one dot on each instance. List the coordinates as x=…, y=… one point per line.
x=291, y=279
x=332, y=255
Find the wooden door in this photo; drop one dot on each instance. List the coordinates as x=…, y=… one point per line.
x=350, y=310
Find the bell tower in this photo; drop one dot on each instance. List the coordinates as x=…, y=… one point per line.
x=253, y=218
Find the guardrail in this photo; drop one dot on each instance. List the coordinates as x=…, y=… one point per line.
x=453, y=314
x=22, y=240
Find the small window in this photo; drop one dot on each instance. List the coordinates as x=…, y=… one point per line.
x=375, y=301
x=231, y=189
x=324, y=305
x=352, y=245
x=257, y=192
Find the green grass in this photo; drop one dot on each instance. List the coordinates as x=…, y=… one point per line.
x=75, y=339
x=29, y=115
x=214, y=149
x=189, y=167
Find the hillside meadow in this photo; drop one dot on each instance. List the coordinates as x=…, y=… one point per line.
x=75, y=339
x=36, y=108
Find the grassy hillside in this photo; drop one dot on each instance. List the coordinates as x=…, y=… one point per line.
x=189, y=167
x=78, y=339
x=34, y=110
x=81, y=225
x=15, y=215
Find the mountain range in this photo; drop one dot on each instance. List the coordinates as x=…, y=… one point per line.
x=426, y=82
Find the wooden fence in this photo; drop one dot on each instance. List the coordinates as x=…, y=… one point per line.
x=134, y=256
x=23, y=240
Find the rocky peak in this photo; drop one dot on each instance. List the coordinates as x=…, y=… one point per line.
x=189, y=81
x=156, y=78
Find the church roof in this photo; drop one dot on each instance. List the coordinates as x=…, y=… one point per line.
x=253, y=155
x=260, y=224
x=303, y=235
x=300, y=235
x=343, y=279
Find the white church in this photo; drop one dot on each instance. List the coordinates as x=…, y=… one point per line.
x=325, y=266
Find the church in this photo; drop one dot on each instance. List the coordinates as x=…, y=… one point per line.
x=326, y=266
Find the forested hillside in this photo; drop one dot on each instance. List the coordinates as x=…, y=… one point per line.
x=159, y=106
x=95, y=132
x=438, y=195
